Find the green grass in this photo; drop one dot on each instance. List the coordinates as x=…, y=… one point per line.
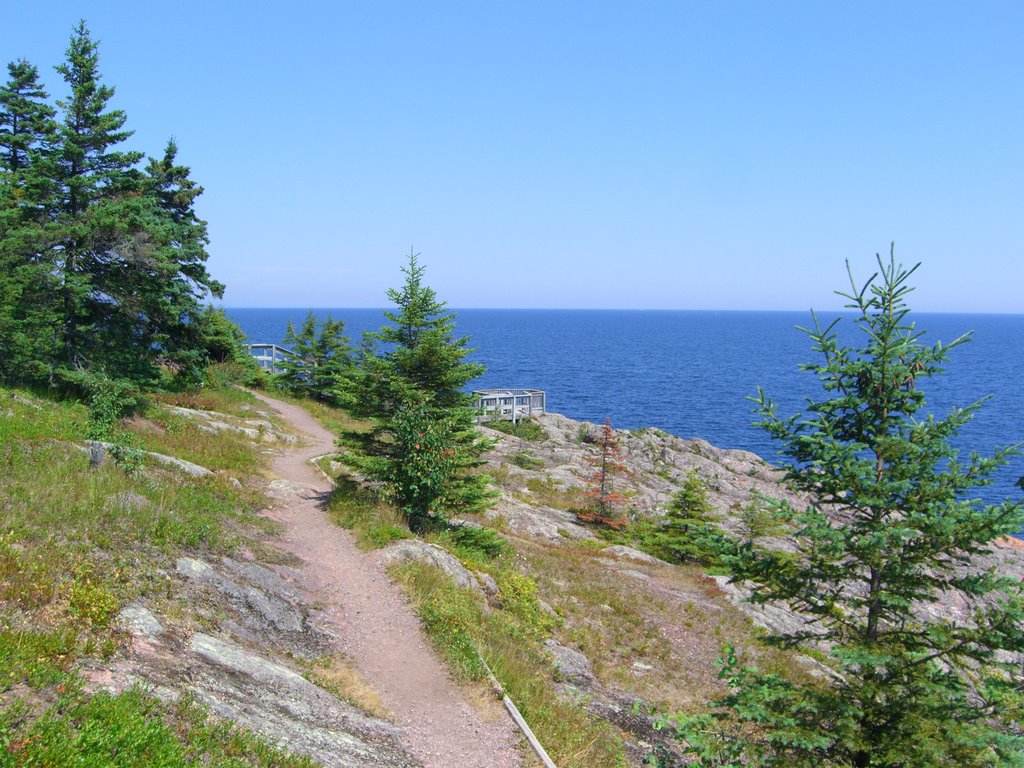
x=127, y=729
x=373, y=522
x=334, y=419
x=510, y=640
x=526, y=460
x=475, y=546
x=23, y=416
x=76, y=544
x=165, y=432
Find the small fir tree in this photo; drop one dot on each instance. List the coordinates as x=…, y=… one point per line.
x=893, y=527
x=293, y=374
x=424, y=444
x=607, y=503
x=688, y=533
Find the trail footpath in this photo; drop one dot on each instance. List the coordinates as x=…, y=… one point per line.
x=376, y=629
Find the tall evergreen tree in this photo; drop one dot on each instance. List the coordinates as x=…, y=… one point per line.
x=892, y=530
x=102, y=266
x=168, y=278
x=90, y=167
x=424, y=440
x=29, y=316
x=97, y=211
x=27, y=126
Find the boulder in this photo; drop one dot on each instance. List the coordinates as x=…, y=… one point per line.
x=274, y=700
x=628, y=553
x=420, y=551
x=138, y=620
x=185, y=466
x=262, y=600
x=570, y=664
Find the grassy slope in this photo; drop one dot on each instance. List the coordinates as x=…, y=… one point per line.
x=657, y=638
x=76, y=544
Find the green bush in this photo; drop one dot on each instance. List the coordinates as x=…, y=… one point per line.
x=473, y=542
x=687, y=533
x=525, y=429
x=519, y=598
x=374, y=523
x=526, y=460
x=91, y=599
x=380, y=534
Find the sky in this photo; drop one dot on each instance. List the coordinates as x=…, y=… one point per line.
x=676, y=155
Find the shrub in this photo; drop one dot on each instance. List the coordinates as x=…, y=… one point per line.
x=526, y=460
x=476, y=541
x=525, y=429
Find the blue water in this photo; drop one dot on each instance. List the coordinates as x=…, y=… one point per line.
x=689, y=372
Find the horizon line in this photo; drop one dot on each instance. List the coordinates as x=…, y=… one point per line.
x=843, y=310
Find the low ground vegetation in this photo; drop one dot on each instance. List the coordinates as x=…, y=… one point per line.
x=77, y=544
x=524, y=429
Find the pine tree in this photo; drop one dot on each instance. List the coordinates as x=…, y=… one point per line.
x=688, y=533
x=102, y=267
x=90, y=168
x=294, y=369
x=334, y=370
x=165, y=281
x=98, y=208
x=27, y=134
x=607, y=503
x=424, y=442
x=893, y=527
x=29, y=315
x=322, y=366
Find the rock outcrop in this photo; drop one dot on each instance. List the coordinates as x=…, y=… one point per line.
x=256, y=429
x=431, y=554
x=243, y=669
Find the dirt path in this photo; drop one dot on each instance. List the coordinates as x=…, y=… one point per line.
x=375, y=627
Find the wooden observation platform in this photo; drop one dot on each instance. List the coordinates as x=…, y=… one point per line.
x=508, y=404
x=270, y=356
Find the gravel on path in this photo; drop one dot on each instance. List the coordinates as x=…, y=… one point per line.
x=374, y=624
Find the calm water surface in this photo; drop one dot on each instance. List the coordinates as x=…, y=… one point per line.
x=690, y=372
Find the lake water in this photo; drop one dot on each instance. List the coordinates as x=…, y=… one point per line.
x=690, y=372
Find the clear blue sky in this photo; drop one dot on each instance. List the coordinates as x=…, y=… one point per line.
x=550, y=154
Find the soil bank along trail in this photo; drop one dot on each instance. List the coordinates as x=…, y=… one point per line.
x=375, y=627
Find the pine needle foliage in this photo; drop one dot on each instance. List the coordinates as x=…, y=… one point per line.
x=424, y=445
x=688, y=533
x=322, y=367
x=102, y=262
x=893, y=529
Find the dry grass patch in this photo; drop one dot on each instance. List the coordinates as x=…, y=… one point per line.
x=536, y=489
x=230, y=400
x=656, y=633
x=337, y=675
x=181, y=437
